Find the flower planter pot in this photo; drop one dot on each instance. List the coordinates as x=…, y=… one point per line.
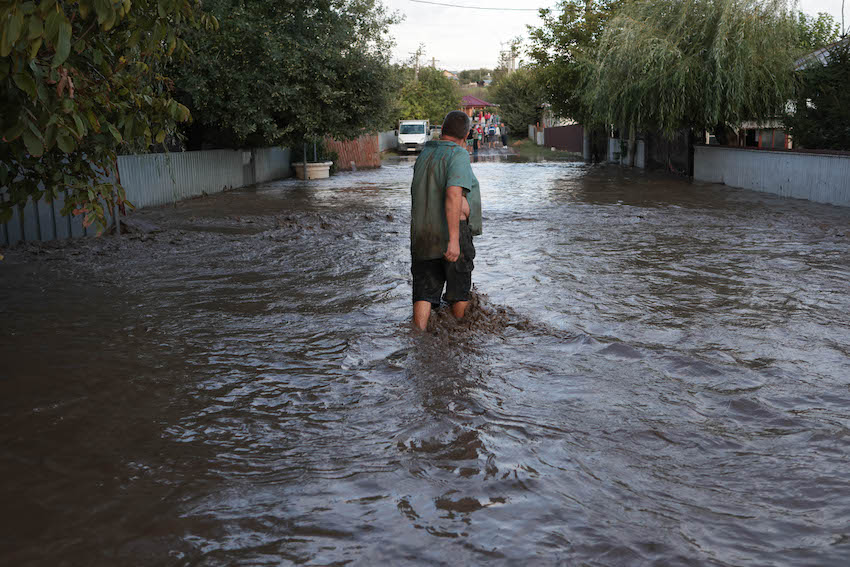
x=315, y=170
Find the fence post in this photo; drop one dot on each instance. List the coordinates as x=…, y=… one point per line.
x=5, y=225
x=53, y=216
x=37, y=219
x=115, y=213
x=21, y=224
x=68, y=217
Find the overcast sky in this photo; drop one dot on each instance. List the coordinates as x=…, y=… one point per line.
x=462, y=38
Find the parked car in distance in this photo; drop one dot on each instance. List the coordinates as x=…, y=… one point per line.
x=412, y=135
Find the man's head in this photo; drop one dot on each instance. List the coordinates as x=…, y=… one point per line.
x=456, y=125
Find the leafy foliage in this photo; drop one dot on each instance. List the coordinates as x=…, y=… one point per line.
x=291, y=71
x=80, y=81
x=430, y=97
x=473, y=75
x=702, y=64
x=814, y=33
x=822, y=117
x=563, y=46
x=519, y=96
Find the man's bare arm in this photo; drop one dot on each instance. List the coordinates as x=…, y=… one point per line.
x=454, y=197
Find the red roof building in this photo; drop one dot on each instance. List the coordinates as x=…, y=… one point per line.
x=471, y=104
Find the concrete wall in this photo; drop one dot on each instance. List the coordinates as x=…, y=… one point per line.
x=155, y=179
x=614, y=151
x=387, y=140
x=817, y=177
x=537, y=135
x=615, y=154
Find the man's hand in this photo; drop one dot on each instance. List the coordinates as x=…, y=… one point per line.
x=453, y=251
x=454, y=196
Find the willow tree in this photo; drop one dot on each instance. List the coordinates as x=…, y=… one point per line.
x=821, y=117
x=561, y=48
x=700, y=64
x=428, y=96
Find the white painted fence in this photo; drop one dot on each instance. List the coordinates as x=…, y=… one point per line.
x=818, y=177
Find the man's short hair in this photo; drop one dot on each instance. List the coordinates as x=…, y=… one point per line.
x=456, y=124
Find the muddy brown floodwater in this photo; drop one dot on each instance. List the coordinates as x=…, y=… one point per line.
x=655, y=373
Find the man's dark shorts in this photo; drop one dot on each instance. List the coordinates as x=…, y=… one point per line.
x=429, y=276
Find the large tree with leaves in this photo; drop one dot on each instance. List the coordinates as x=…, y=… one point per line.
x=473, y=75
x=815, y=32
x=701, y=64
x=282, y=72
x=519, y=95
x=562, y=47
x=81, y=81
x=427, y=95
x=822, y=111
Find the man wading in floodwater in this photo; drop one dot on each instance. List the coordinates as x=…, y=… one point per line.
x=445, y=214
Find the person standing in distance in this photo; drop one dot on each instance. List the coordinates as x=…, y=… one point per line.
x=445, y=213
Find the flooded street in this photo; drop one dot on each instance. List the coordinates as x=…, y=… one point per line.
x=654, y=373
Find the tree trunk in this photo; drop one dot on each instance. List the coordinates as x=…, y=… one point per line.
x=632, y=145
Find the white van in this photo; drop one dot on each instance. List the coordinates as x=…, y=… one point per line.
x=412, y=135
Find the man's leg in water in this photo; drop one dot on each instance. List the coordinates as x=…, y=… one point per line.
x=421, y=313
x=459, y=308
x=429, y=277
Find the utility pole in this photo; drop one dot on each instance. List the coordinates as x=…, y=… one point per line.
x=433, y=62
x=503, y=57
x=507, y=57
x=416, y=55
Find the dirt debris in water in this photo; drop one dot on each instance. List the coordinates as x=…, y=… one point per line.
x=651, y=372
x=482, y=316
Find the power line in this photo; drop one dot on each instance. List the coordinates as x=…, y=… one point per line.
x=477, y=7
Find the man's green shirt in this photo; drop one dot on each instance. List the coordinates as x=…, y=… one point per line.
x=441, y=164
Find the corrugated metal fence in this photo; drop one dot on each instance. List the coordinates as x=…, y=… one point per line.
x=569, y=138
x=155, y=179
x=823, y=178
